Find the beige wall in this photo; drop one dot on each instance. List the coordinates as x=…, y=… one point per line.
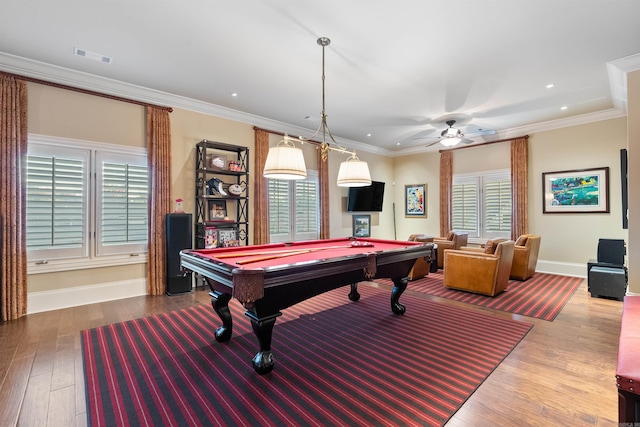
x=566, y=238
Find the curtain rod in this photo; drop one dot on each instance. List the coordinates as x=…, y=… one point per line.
x=273, y=132
x=87, y=91
x=485, y=143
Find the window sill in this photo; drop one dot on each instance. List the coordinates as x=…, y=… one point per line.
x=55, y=266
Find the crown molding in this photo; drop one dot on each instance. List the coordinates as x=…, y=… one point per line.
x=55, y=74
x=39, y=70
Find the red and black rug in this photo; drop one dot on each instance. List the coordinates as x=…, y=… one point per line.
x=543, y=296
x=337, y=363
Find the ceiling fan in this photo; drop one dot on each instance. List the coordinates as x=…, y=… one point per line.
x=453, y=136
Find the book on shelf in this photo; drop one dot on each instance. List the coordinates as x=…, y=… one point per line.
x=211, y=237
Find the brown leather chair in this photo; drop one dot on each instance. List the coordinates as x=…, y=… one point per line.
x=454, y=240
x=480, y=270
x=525, y=256
x=421, y=266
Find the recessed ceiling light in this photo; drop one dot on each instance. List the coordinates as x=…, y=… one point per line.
x=397, y=143
x=550, y=85
x=368, y=134
x=564, y=107
x=234, y=94
x=92, y=55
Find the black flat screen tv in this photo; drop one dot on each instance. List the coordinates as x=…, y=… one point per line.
x=366, y=199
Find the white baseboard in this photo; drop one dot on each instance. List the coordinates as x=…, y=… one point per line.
x=562, y=268
x=82, y=295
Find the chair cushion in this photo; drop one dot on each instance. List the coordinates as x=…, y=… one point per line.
x=491, y=246
x=522, y=240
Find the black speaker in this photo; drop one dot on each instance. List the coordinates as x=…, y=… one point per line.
x=611, y=251
x=178, y=238
x=624, y=180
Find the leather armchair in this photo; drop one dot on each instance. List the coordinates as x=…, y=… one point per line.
x=455, y=240
x=422, y=266
x=525, y=256
x=484, y=271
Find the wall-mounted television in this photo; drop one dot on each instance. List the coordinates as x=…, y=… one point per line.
x=366, y=199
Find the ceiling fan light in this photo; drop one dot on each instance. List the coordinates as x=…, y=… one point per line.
x=354, y=173
x=450, y=141
x=285, y=162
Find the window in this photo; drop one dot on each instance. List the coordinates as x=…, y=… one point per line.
x=87, y=204
x=481, y=204
x=293, y=209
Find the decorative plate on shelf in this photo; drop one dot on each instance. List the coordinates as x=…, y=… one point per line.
x=217, y=161
x=235, y=189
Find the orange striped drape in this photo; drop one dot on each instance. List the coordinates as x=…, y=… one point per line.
x=159, y=155
x=519, y=187
x=13, y=152
x=260, y=189
x=446, y=182
x=323, y=179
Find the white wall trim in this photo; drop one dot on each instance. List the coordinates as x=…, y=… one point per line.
x=81, y=295
x=562, y=268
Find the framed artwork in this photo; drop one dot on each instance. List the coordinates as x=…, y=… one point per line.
x=415, y=201
x=217, y=210
x=576, y=191
x=361, y=225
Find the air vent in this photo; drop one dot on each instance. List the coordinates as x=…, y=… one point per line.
x=92, y=55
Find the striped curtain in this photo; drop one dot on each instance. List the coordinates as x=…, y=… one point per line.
x=323, y=179
x=519, y=187
x=446, y=182
x=260, y=189
x=159, y=154
x=13, y=152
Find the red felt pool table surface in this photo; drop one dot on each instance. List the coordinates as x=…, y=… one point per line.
x=304, y=251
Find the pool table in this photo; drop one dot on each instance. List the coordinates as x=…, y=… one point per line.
x=268, y=278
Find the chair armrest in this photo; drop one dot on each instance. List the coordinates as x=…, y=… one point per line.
x=472, y=249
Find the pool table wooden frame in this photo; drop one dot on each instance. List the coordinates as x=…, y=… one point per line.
x=264, y=289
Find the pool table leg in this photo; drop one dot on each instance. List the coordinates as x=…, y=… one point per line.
x=220, y=304
x=263, y=328
x=354, y=295
x=399, y=285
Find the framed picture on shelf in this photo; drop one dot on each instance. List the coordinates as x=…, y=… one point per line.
x=576, y=191
x=415, y=201
x=228, y=237
x=217, y=210
x=361, y=225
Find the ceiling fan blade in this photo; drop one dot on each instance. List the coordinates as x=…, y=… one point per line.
x=433, y=143
x=480, y=132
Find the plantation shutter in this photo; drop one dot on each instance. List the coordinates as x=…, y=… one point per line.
x=306, y=211
x=122, y=191
x=497, y=204
x=56, y=203
x=279, y=210
x=465, y=207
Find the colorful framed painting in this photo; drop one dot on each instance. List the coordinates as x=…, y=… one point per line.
x=415, y=201
x=576, y=191
x=361, y=225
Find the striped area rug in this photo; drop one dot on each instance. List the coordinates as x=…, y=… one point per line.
x=543, y=296
x=337, y=363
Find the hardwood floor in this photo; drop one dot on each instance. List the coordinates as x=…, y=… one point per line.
x=562, y=373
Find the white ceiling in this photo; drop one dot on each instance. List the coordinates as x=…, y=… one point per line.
x=394, y=69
